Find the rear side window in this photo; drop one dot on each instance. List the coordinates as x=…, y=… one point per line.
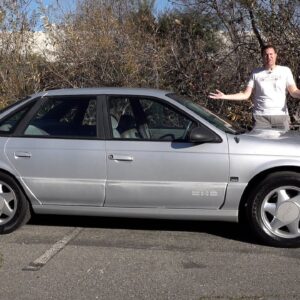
x=65, y=117
x=9, y=124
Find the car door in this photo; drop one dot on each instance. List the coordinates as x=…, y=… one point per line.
x=58, y=153
x=151, y=164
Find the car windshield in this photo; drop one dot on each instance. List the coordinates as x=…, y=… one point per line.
x=206, y=114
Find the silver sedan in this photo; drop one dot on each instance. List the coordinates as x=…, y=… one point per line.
x=148, y=154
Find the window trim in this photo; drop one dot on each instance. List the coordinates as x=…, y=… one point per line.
x=16, y=103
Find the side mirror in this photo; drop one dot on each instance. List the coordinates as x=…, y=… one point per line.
x=203, y=135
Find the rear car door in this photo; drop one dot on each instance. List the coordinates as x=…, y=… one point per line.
x=150, y=162
x=58, y=152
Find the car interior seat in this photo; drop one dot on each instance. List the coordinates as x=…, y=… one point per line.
x=127, y=127
x=114, y=125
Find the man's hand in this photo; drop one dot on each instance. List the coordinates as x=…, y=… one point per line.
x=238, y=96
x=217, y=95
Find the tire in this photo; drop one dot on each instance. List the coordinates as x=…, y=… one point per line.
x=273, y=210
x=14, y=207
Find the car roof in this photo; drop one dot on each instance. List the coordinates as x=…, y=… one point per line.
x=89, y=91
x=104, y=90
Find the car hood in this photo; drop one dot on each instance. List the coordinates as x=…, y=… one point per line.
x=266, y=142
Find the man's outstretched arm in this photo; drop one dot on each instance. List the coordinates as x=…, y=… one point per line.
x=245, y=95
x=294, y=91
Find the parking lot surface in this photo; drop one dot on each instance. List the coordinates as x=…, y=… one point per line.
x=105, y=258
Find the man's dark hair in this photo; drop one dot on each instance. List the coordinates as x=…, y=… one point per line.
x=265, y=47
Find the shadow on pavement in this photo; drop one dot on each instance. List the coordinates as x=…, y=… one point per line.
x=226, y=230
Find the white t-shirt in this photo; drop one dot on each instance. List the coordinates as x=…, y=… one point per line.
x=270, y=89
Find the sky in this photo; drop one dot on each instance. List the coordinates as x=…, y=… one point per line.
x=160, y=5
x=68, y=5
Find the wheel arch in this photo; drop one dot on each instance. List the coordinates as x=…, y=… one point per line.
x=255, y=180
x=19, y=185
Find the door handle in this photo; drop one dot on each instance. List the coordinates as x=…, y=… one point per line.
x=22, y=154
x=120, y=157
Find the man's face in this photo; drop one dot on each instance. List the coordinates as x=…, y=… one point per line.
x=269, y=58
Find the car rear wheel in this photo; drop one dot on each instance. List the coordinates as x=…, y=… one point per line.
x=14, y=207
x=274, y=209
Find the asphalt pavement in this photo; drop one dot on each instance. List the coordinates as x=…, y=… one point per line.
x=60, y=257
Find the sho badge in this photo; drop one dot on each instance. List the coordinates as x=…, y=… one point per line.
x=205, y=193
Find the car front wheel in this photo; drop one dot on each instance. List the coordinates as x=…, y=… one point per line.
x=14, y=207
x=274, y=209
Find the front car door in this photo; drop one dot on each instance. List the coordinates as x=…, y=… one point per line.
x=58, y=153
x=150, y=162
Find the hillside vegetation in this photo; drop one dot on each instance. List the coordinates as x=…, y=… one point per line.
x=193, y=48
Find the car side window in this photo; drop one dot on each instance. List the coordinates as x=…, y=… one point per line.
x=9, y=124
x=147, y=119
x=65, y=117
x=122, y=118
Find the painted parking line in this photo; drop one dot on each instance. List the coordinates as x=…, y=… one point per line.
x=50, y=253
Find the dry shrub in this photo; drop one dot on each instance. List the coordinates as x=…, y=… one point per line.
x=194, y=48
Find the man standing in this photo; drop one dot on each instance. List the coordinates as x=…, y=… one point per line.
x=270, y=85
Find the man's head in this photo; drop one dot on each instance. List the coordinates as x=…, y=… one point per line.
x=269, y=55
